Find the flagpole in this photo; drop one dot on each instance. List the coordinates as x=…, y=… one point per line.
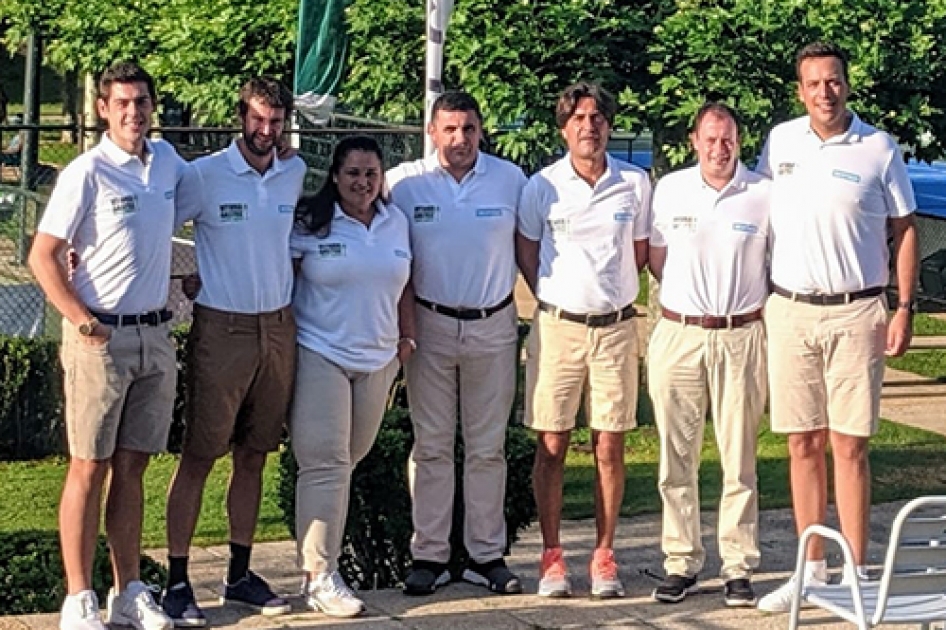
x=438, y=14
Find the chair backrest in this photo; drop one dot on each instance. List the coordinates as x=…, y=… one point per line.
x=916, y=557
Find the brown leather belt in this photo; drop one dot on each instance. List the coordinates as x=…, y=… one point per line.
x=592, y=320
x=712, y=322
x=827, y=299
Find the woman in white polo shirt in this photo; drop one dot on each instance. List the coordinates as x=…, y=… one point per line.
x=352, y=254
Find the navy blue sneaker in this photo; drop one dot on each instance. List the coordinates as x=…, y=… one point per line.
x=251, y=590
x=180, y=605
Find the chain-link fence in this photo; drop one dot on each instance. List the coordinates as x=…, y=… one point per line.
x=23, y=308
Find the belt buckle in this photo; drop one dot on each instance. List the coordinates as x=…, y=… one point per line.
x=848, y=297
x=729, y=323
x=483, y=313
x=592, y=320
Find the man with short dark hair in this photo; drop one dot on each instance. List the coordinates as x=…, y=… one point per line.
x=113, y=205
x=840, y=187
x=708, y=249
x=242, y=341
x=583, y=228
x=461, y=205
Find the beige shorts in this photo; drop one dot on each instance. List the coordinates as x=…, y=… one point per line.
x=240, y=376
x=567, y=360
x=119, y=394
x=826, y=365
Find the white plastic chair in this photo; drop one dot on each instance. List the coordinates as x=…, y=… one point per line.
x=912, y=588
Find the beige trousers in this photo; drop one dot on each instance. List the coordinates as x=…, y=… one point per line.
x=335, y=418
x=691, y=370
x=470, y=367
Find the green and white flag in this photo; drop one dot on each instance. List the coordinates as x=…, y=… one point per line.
x=320, y=57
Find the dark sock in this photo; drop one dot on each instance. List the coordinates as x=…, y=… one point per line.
x=239, y=562
x=177, y=570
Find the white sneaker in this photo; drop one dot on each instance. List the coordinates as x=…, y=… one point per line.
x=780, y=600
x=81, y=612
x=136, y=607
x=329, y=594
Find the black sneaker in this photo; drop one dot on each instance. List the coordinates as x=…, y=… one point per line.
x=179, y=604
x=251, y=590
x=426, y=577
x=494, y=575
x=738, y=593
x=675, y=588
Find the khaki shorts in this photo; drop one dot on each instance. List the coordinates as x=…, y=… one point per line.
x=826, y=365
x=240, y=377
x=119, y=394
x=566, y=360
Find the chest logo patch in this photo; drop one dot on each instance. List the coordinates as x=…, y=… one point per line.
x=426, y=214
x=400, y=253
x=558, y=226
x=332, y=250
x=747, y=228
x=785, y=168
x=285, y=208
x=124, y=205
x=684, y=223
x=489, y=212
x=233, y=212
x=846, y=175
x=169, y=194
x=623, y=217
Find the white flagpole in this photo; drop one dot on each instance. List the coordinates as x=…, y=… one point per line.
x=438, y=15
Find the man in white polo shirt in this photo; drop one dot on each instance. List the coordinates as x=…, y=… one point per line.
x=461, y=205
x=583, y=228
x=708, y=248
x=839, y=189
x=242, y=341
x=114, y=206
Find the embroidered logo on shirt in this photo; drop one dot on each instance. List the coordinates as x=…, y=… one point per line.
x=169, y=194
x=489, y=212
x=426, y=214
x=124, y=205
x=233, y=212
x=748, y=228
x=400, y=253
x=623, y=217
x=786, y=168
x=286, y=208
x=332, y=250
x=845, y=175
x=558, y=226
x=684, y=223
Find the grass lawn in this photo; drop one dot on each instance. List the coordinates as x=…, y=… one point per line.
x=31, y=495
x=925, y=325
x=905, y=462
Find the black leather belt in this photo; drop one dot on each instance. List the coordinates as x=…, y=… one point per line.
x=592, y=320
x=712, y=322
x=827, y=299
x=152, y=318
x=464, y=313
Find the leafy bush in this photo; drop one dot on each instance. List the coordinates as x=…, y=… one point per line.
x=376, y=546
x=31, y=421
x=31, y=574
x=176, y=436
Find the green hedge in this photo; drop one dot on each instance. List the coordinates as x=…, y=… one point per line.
x=31, y=574
x=376, y=546
x=31, y=413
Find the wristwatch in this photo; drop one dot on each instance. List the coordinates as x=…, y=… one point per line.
x=910, y=306
x=87, y=328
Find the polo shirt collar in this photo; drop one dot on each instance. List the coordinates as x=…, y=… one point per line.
x=853, y=133
x=381, y=212
x=610, y=168
x=239, y=164
x=118, y=155
x=432, y=162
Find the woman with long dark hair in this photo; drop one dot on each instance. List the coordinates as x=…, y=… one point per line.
x=353, y=261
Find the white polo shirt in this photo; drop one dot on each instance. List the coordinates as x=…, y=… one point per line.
x=462, y=233
x=117, y=212
x=586, y=235
x=716, y=241
x=348, y=287
x=242, y=220
x=830, y=204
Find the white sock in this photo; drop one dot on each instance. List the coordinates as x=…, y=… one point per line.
x=816, y=569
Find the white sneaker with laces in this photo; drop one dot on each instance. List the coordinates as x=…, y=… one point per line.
x=329, y=594
x=780, y=600
x=81, y=612
x=136, y=607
